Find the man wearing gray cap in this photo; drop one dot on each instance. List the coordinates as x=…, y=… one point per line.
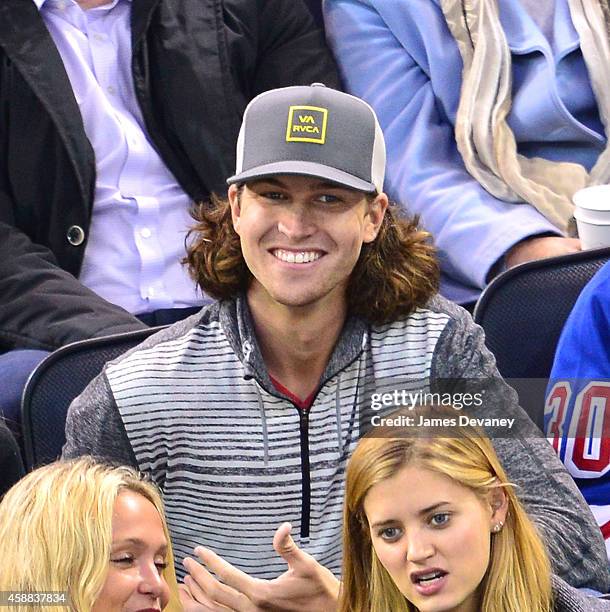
x=246, y=413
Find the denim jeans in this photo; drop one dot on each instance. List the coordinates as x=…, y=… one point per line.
x=15, y=369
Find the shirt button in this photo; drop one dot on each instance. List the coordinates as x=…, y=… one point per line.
x=75, y=235
x=98, y=37
x=145, y=232
x=111, y=90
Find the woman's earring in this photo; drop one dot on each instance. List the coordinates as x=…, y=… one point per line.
x=497, y=527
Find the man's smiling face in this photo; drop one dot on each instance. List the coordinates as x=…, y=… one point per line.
x=301, y=237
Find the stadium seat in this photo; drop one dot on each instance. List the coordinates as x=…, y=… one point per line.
x=523, y=311
x=56, y=382
x=11, y=465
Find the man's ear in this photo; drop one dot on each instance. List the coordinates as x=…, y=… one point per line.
x=375, y=215
x=234, y=200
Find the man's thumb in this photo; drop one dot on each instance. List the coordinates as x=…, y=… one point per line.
x=285, y=546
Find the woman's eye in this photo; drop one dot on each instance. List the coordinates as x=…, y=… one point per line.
x=440, y=519
x=161, y=565
x=122, y=560
x=390, y=533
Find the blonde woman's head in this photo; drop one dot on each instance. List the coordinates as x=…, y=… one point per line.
x=429, y=519
x=93, y=531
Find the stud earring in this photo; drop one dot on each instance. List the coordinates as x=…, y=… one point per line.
x=498, y=526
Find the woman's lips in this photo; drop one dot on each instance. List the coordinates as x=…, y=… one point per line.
x=429, y=582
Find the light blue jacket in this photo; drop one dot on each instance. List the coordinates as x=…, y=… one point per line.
x=400, y=56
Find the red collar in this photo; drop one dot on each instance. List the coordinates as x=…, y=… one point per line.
x=301, y=404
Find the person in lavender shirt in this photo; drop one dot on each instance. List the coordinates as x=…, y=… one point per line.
x=115, y=115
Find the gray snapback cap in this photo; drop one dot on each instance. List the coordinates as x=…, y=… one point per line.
x=311, y=131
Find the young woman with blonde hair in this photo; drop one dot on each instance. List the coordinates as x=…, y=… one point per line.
x=431, y=524
x=87, y=538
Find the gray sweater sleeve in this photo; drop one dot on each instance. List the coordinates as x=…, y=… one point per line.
x=574, y=541
x=94, y=426
x=568, y=599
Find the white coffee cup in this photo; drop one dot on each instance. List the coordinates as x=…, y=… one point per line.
x=592, y=214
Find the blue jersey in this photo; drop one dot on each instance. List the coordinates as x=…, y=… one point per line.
x=577, y=407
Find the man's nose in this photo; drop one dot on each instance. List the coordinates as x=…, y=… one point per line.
x=296, y=222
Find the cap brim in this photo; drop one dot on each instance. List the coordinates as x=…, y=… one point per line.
x=303, y=168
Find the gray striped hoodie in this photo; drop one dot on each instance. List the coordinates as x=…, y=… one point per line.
x=194, y=407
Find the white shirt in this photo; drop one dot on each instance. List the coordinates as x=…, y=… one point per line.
x=140, y=214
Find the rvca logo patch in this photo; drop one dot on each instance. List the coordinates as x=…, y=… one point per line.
x=306, y=124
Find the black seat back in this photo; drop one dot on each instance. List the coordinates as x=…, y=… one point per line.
x=56, y=381
x=523, y=311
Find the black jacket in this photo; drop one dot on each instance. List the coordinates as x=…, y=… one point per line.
x=196, y=64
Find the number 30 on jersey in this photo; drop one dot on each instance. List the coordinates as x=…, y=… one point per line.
x=579, y=426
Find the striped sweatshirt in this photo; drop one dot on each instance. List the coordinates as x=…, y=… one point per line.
x=194, y=407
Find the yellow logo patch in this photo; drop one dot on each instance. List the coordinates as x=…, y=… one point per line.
x=306, y=124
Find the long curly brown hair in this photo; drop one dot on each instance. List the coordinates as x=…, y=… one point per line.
x=394, y=274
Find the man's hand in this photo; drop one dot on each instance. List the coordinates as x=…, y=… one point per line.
x=305, y=585
x=539, y=248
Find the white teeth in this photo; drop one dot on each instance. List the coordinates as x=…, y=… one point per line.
x=428, y=577
x=292, y=257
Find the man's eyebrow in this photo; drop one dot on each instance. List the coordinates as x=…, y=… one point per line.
x=421, y=512
x=331, y=185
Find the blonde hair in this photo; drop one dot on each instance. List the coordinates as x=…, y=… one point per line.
x=519, y=572
x=56, y=529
